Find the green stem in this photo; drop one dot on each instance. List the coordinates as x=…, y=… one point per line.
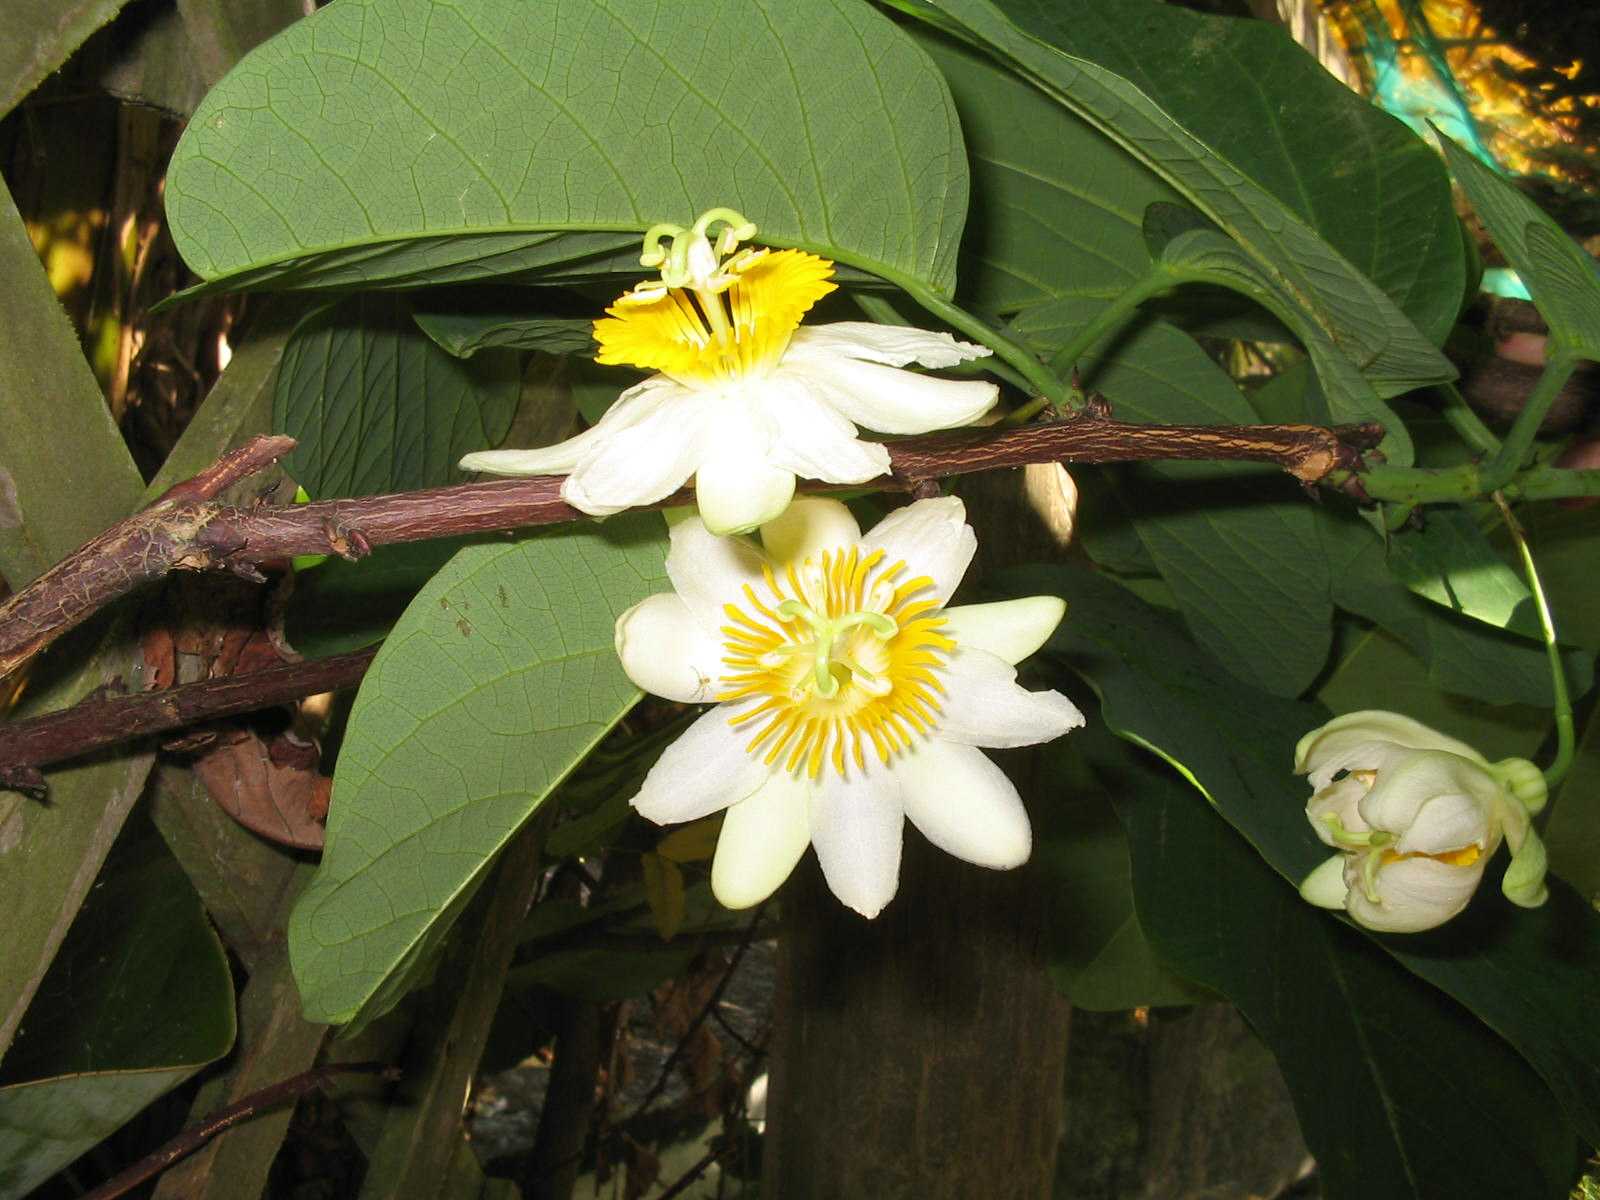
x=1158, y=280
x=884, y=313
x=1497, y=472
x=1555, y=483
x=1565, y=741
x=1468, y=425
x=1039, y=378
x=1417, y=485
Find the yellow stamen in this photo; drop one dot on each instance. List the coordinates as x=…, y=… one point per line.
x=833, y=672
x=705, y=337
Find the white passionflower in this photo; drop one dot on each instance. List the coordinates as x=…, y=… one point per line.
x=1415, y=816
x=849, y=698
x=745, y=400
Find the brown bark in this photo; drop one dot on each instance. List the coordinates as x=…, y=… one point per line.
x=189, y=529
x=25, y=746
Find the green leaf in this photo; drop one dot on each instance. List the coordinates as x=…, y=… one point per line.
x=1400, y=1092
x=463, y=326
x=380, y=140
x=1260, y=102
x=1523, y=973
x=1207, y=257
x=1458, y=655
x=1098, y=953
x=1216, y=178
x=496, y=682
x=65, y=475
x=377, y=406
x=1450, y=562
x=339, y=605
x=1572, y=833
x=40, y=36
x=138, y=998
x=1237, y=546
x=1559, y=274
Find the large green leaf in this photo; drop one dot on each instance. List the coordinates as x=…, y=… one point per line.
x=1355, y=313
x=1560, y=275
x=40, y=36
x=1359, y=177
x=1400, y=1093
x=139, y=998
x=1237, y=547
x=1572, y=834
x=1525, y=974
x=65, y=475
x=1463, y=657
x=1098, y=953
x=387, y=139
x=497, y=681
x=378, y=406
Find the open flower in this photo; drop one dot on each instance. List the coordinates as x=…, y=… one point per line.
x=745, y=399
x=848, y=697
x=1415, y=816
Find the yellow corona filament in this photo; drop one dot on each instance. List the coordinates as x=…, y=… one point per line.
x=740, y=323
x=836, y=658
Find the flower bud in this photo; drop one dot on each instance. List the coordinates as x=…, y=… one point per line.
x=1414, y=816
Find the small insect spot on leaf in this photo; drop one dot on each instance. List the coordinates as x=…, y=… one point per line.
x=465, y=626
x=501, y=594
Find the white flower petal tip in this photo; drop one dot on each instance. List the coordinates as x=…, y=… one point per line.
x=702, y=772
x=763, y=837
x=891, y=345
x=1415, y=816
x=1325, y=887
x=808, y=526
x=666, y=652
x=965, y=805
x=737, y=495
x=1010, y=630
x=931, y=535
x=518, y=462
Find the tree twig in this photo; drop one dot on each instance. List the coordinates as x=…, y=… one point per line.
x=25, y=746
x=188, y=529
x=256, y=1103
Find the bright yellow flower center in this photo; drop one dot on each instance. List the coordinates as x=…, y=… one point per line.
x=717, y=312
x=839, y=654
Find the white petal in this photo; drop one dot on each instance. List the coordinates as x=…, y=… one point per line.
x=984, y=706
x=1413, y=893
x=893, y=345
x=856, y=826
x=1447, y=823
x=1325, y=887
x=1403, y=791
x=964, y=805
x=932, y=537
x=710, y=571
x=634, y=405
x=737, y=492
x=736, y=486
x=1342, y=801
x=888, y=399
x=1008, y=629
x=808, y=526
x=814, y=441
x=644, y=461
x=763, y=837
x=1340, y=735
x=667, y=652
x=706, y=769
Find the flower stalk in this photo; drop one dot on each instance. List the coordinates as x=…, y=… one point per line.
x=1566, y=740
